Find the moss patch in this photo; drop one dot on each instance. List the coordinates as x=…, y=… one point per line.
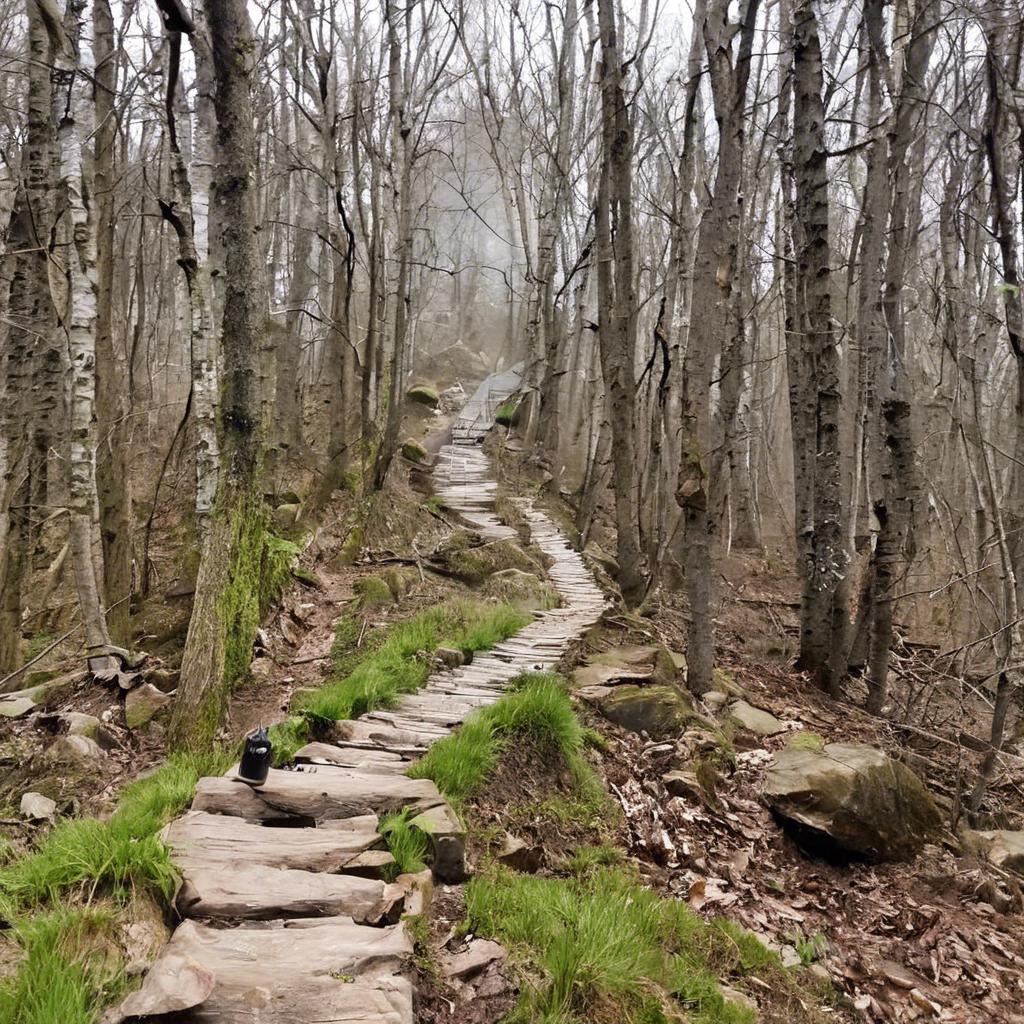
x=414, y=451
x=259, y=572
x=424, y=394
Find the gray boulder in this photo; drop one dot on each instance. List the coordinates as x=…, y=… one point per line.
x=74, y=751
x=37, y=807
x=143, y=704
x=754, y=720
x=656, y=710
x=867, y=803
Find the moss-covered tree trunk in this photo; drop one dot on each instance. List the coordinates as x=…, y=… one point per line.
x=235, y=552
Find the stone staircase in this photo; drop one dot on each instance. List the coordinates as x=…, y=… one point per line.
x=287, y=916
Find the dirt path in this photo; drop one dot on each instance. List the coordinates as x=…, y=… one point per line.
x=286, y=913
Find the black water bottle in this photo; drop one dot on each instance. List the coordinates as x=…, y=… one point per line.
x=256, y=758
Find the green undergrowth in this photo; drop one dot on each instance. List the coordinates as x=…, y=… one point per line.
x=395, y=663
x=608, y=948
x=71, y=964
x=121, y=853
x=536, y=709
x=408, y=845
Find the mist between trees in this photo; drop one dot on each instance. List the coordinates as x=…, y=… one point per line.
x=760, y=263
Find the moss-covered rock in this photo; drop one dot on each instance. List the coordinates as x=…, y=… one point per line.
x=398, y=581
x=143, y=704
x=525, y=589
x=864, y=801
x=414, y=451
x=285, y=517
x=475, y=563
x=372, y=592
x=350, y=550
x=507, y=414
x=652, y=661
x=658, y=710
x=423, y=394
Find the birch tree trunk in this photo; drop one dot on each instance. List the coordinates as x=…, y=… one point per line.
x=76, y=229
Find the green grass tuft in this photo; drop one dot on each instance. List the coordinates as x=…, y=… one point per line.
x=604, y=941
x=70, y=965
x=407, y=845
x=538, y=710
x=401, y=662
x=122, y=852
x=585, y=859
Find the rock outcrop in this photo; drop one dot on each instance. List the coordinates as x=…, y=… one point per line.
x=854, y=795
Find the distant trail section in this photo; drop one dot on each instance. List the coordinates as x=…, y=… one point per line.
x=297, y=924
x=477, y=415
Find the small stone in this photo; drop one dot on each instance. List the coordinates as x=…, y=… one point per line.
x=732, y=995
x=754, y=719
x=414, y=451
x=90, y=726
x=291, y=632
x=261, y=668
x=74, y=750
x=655, y=710
x=284, y=517
x=715, y=700
x=143, y=704
x=448, y=840
x=423, y=394
x=683, y=783
x=519, y=855
x=1006, y=849
x=164, y=679
x=37, y=807
x=449, y=657
x=819, y=973
x=473, y=960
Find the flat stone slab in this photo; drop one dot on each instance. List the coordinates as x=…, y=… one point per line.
x=329, y=971
x=320, y=796
x=220, y=837
x=230, y=889
x=365, y=759
x=755, y=719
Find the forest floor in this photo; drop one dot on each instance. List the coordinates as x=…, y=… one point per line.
x=938, y=938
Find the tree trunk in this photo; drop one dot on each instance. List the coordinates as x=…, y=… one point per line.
x=710, y=325
x=823, y=613
x=112, y=399
x=235, y=561
x=76, y=230
x=617, y=301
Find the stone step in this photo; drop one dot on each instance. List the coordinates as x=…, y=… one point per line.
x=197, y=835
x=320, y=795
x=299, y=972
x=225, y=887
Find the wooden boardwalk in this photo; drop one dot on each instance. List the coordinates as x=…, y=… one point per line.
x=286, y=913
